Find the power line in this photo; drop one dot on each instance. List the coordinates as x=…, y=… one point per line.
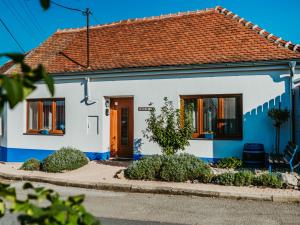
x=32, y=17
x=66, y=7
x=95, y=18
x=18, y=17
x=87, y=14
x=19, y=45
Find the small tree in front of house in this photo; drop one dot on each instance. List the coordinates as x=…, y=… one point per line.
x=279, y=117
x=167, y=130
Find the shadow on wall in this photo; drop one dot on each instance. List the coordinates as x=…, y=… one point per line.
x=258, y=127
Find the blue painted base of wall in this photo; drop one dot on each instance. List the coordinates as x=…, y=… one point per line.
x=21, y=154
x=210, y=160
x=137, y=156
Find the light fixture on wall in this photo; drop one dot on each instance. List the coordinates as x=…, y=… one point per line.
x=107, y=107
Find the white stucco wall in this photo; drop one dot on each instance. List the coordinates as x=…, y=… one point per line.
x=261, y=90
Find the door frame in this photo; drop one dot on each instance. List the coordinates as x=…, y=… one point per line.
x=113, y=124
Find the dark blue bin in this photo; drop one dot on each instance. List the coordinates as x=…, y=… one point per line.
x=254, y=155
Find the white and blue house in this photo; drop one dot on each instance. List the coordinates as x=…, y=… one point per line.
x=230, y=70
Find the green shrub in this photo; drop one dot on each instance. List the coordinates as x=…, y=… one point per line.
x=196, y=168
x=224, y=179
x=176, y=168
x=31, y=164
x=184, y=167
x=230, y=163
x=243, y=178
x=268, y=180
x=144, y=169
x=66, y=158
x=167, y=130
x=173, y=170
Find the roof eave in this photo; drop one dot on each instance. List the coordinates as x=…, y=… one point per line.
x=184, y=67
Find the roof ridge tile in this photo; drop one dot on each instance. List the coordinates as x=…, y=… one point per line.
x=276, y=40
x=133, y=20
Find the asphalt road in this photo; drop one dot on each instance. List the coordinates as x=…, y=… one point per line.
x=135, y=208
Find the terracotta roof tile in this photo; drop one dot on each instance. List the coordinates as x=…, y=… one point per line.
x=200, y=37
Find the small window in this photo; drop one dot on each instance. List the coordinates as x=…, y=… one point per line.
x=219, y=114
x=46, y=116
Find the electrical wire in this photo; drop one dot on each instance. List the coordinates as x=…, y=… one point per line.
x=19, y=18
x=66, y=7
x=13, y=37
x=95, y=18
x=32, y=17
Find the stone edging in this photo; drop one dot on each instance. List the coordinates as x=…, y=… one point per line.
x=150, y=189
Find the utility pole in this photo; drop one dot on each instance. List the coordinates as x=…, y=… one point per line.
x=87, y=13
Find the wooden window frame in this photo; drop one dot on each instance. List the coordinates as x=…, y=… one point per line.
x=40, y=102
x=200, y=133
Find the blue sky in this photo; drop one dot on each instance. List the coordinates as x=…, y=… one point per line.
x=31, y=25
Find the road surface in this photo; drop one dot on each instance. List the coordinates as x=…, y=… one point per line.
x=136, y=208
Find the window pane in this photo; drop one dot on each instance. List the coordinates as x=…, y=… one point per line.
x=190, y=108
x=33, y=115
x=60, y=115
x=210, y=113
x=124, y=126
x=230, y=120
x=47, y=115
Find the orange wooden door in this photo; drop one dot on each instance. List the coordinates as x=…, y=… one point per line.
x=121, y=127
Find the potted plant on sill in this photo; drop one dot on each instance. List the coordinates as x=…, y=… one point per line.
x=44, y=131
x=209, y=135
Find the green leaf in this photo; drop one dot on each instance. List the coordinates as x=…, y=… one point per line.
x=16, y=57
x=40, y=70
x=25, y=68
x=14, y=90
x=90, y=220
x=77, y=199
x=61, y=217
x=32, y=196
x=2, y=208
x=27, y=185
x=45, y=4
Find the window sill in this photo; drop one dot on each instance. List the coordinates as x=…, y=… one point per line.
x=38, y=134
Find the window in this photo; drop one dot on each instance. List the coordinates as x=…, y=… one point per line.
x=220, y=114
x=46, y=116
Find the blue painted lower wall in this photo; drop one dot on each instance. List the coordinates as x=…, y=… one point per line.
x=21, y=154
x=210, y=160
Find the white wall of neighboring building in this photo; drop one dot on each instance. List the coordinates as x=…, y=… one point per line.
x=262, y=89
x=297, y=113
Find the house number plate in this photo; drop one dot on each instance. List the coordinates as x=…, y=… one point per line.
x=145, y=108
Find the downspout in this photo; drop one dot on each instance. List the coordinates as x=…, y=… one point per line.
x=88, y=99
x=292, y=66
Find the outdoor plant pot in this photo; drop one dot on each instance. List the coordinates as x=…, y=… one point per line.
x=209, y=135
x=46, y=132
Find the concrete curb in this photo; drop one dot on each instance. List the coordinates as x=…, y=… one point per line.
x=151, y=189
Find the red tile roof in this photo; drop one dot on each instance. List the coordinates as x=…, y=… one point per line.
x=6, y=66
x=199, y=37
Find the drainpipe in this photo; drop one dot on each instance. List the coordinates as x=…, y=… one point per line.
x=88, y=99
x=292, y=66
